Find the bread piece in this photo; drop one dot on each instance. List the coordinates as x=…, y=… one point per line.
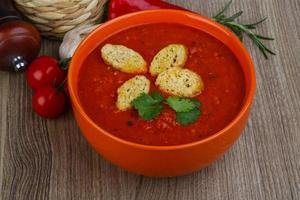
x=180, y=82
x=123, y=59
x=130, y=90
x=173, y=55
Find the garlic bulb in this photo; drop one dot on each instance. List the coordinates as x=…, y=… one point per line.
x=73, y=38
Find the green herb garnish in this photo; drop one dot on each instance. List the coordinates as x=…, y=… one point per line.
x=241, y=29
x=157, y=97
x=186, y=118
x=148, y=106
x=187, y=110
x=182, y=104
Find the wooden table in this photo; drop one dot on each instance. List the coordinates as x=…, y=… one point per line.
x=49, y=159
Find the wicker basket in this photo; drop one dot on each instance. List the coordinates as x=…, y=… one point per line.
x=56, y=17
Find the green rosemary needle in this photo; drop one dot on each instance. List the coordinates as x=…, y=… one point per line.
x=241, y=29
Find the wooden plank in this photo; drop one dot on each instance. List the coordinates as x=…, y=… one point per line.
x=4, y=80
x=50, y=159
x=27, y=153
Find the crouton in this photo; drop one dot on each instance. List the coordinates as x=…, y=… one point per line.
x=173, y=55
x=123, y=59
x=130, y=90
x=180, y=82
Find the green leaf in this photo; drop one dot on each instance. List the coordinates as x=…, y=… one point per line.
x=196, y=103
x=182, y=104
x=223, y=10
x=256, y=23
x=238, y=32
x=148, y=106
x=157, y=97
x=150, y=112
x=263, y=37
x=143, y=99
x=186, y=118
x=233, y=17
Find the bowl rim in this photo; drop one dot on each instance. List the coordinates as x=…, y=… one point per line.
x=245, y=107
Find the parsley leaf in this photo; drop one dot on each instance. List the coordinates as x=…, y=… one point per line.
x=148, y=106
x=186, y=118
x=187, y=110
x=143, y=100
x=196, y=103
x=182, y=104
x=157, y=96
x=150, y=112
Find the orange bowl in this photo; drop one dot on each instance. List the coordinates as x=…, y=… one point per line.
x=161, y=160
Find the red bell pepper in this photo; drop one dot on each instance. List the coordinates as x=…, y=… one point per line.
x=121, y=7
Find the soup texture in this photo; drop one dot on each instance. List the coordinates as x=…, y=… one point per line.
x=222, y=97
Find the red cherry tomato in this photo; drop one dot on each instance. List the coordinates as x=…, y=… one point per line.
x=43, y=71
x=48, y=102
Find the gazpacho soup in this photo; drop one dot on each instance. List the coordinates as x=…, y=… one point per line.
x=161, y=84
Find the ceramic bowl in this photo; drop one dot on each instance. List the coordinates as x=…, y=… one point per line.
x=161, y=160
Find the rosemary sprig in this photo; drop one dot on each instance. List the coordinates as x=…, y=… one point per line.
x=241, y=29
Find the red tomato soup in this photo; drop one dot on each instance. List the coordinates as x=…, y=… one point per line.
x=222, y=97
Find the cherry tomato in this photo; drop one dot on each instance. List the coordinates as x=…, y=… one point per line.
x=43, y=71
x=48, y=102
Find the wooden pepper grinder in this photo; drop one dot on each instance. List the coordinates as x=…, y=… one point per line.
x=19, y=42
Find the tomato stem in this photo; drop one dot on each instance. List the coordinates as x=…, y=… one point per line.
x=64, y=63
x=60, y=87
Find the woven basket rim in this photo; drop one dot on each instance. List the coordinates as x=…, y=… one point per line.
x=56, y=17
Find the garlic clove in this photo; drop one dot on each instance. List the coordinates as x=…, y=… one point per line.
x=73, y=38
